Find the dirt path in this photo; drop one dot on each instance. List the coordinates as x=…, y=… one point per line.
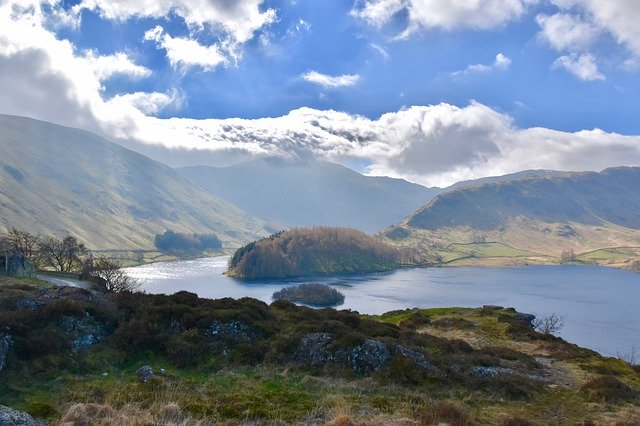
x=63, y=281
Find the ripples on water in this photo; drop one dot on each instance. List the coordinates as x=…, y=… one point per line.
x=600, y=304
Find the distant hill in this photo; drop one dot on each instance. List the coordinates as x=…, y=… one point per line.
x=592, y=198
x=585, y=217
x=314, y=251
x=289, y=194
x=525, y=174
x=61, y=180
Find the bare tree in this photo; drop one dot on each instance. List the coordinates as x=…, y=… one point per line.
x=110, y=277
x=63, y=255
x=549, y=324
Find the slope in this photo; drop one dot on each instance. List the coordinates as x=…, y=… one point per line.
x=60, y=180
x=295, y=194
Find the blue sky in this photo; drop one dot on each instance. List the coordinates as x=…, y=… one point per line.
x=479, y=81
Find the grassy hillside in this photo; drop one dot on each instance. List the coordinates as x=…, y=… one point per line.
x=295, y=194
x=76, y=357
x=532, y=220
x=60, y=180
x=314, y=251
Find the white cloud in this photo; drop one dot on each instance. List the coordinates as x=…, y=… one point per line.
x=502, y=62
x=185, y=53
x=381, y=50
x=329, y=81
x=583, y=66
x=564, y=31
x=445, y=14
x=238, y=18
x=148, y=103
x=107, y=66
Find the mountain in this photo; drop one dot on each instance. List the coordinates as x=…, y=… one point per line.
x=61, y=180
x=296, y=194
x=525, y=174
x=589, y=217
x=591, y=198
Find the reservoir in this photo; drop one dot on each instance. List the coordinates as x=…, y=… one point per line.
x=601, y=305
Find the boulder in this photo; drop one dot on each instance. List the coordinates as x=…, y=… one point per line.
x=17, y=265
x=232, y=330
x=418, y=358
x=369, y=356
x=5, y=344
x=145, y=373
x=312, y=349
x=11, y=417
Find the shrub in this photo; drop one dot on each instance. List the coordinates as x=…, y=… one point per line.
x=607, y=389
x=446, y=412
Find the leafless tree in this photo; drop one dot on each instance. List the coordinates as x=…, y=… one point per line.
x=110, y=277
x=549, y=324
x=21, y=241
x=63, y=255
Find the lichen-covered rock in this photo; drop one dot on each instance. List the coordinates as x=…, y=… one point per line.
x=84, y=331
x=145, y=373
x=11, y=417
x=232, y=330
x=369, y=357
x=5, y=344
x=312, y=349
x=417, y=357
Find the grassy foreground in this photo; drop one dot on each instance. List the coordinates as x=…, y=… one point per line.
x=230, y=362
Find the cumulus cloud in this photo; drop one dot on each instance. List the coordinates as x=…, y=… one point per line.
x=239, y=18
x=583, y=66
x=445, y=14
x=329, y=81
x=501, y=62
x=106, y=66
x=564, y=31
x=185, y=53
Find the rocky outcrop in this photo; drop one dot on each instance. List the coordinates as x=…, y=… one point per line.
x=369, y=356
x=84, y=331
x=5, y=344
x=11, y=417
x=232, y=330
x=417, y=358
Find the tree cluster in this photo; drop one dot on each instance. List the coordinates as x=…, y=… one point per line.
x=313, y=251
x=45, y=251
x=67, y=255
x=170, y=241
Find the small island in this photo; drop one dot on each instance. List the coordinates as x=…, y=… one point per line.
x=316, y=251
x=313, y=294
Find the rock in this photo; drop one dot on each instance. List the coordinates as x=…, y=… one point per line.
x=312, y=349
x=17, y=265
x=232, y=330
x=369, y=356
x=145, y=373
x=11, y=417
x=488, y=372
x=84, y=331
x=525, y=318
x=5, y=344
x=566, y=231
x=418, y=358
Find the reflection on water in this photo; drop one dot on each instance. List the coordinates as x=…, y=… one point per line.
x=600, y=304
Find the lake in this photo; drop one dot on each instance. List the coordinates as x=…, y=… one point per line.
x=601, y=305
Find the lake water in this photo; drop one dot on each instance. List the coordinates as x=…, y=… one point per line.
x=601, y=305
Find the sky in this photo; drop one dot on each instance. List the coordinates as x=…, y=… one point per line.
x=432, y=91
